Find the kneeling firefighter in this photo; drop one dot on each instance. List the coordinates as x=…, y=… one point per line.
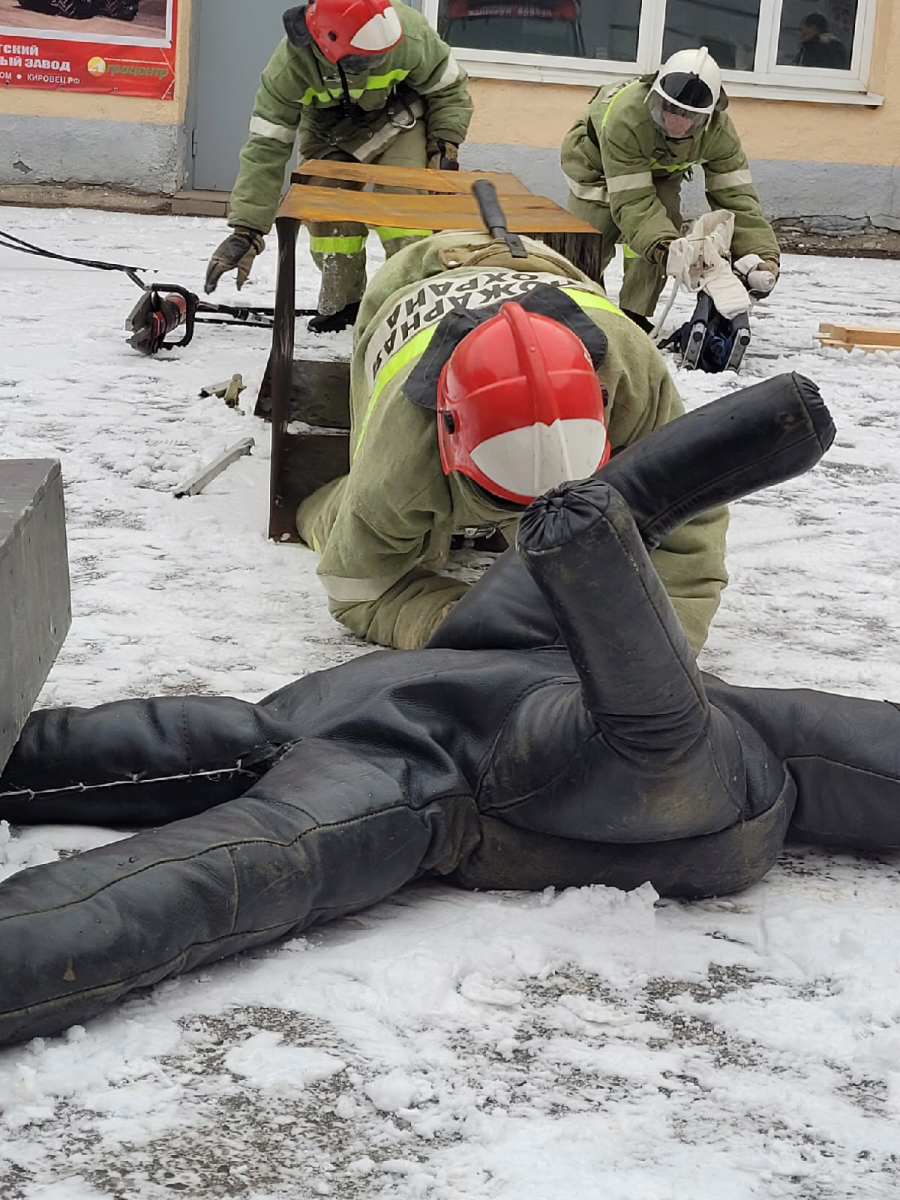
x=626, y=158
x=364, y=81
x=478, y=381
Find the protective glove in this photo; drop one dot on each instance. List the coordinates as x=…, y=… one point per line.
x=684, y=262
x=237, y=251
x=700, y=261
x=758, y=277
x=442, y=156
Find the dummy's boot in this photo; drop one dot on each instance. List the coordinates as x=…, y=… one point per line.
x=750, y=439
x=334, y=322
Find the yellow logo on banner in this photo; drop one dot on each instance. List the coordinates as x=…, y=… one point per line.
x=97, y=66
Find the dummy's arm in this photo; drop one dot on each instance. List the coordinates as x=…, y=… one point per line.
x=709, y=457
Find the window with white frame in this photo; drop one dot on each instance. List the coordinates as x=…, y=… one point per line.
x=813, y=47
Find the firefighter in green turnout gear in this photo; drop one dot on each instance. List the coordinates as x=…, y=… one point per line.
x=428, y=460
x=362, y=80
x=626, y=157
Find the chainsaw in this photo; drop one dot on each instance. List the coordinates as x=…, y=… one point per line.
x=163, y=307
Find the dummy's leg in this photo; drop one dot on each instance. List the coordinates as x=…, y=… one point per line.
x=844, y=756
x=644, y=281
x=407, y=150
x=665, y=765
x=753, y=438
x=137, y=762
x=324, y=833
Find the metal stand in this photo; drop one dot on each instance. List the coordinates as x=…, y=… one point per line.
x=281, y=519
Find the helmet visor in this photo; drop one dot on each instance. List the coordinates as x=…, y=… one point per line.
x=675, y=120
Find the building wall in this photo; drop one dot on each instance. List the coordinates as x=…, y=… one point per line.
x=71, y=137
x=808, y=159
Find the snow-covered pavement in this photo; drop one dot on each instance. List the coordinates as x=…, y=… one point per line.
x=449, y=1046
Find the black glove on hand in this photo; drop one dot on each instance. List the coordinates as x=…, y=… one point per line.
x=442, y=156
x=237, y=251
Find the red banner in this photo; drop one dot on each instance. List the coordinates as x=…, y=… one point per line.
x=117, y=47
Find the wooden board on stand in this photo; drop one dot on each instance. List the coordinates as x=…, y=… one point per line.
x=420, y=178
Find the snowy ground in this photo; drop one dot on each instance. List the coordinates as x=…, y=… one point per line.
x=444, y=1045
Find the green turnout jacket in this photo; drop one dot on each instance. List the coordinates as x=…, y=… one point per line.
x=301, y=90
x=384, y=530
x=614, y=154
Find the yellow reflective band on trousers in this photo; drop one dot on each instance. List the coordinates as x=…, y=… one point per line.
x=388, y=234
x=414, y=347
x=316, y=544
x=418, y=344
x=374, y=83
x=337, y=245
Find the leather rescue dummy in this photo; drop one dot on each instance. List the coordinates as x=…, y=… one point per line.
x=555, y=732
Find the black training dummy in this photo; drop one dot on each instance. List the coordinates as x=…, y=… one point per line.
x=557, y=732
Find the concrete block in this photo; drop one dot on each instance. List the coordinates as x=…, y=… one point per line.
x=35, y=603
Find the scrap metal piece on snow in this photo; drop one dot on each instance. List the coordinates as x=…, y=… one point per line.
x=228, y=390
x=215, y=468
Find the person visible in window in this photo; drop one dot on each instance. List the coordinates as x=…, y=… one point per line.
x=364, y=81
x=627, y=156
x=818, y=47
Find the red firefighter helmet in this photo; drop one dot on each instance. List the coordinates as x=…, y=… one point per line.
x=353, y=27
x=520, y=409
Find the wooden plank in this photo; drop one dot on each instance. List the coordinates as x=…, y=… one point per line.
x=866, y=347
x=524, y=214
x=418, y=178
x=859, y=337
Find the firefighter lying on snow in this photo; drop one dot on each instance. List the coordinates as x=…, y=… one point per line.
x=626, y=158
x=364, y=80
x=462, y=412
x=556, y=733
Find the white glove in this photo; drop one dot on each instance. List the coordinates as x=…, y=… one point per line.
x=699, y=261
x=755, y=275
x=685, y=262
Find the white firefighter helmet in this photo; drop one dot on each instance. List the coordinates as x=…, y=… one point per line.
x=685, y=93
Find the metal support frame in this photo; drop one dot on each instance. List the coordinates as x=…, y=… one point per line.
x=281, y=520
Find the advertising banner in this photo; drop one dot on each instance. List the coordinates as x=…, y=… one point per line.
x=117, y=47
